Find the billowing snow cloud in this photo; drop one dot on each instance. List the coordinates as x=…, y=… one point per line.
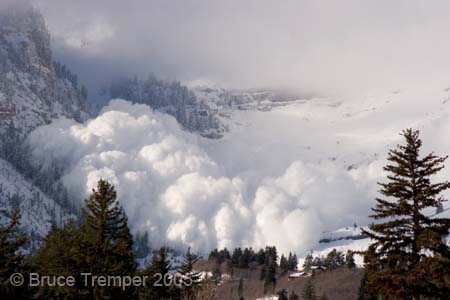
x=175, y=191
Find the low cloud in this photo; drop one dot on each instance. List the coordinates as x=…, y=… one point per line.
x=323, y=47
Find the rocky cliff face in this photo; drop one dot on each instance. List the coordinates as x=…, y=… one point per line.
x=31, y=91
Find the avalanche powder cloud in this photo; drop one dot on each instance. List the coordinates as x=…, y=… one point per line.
x=172, y=189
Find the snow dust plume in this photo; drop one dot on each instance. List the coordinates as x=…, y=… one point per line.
x=171, y=188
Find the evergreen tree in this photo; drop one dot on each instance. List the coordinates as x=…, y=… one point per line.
x=309, y=292
x=236, y=257
x=191, y=278
x=261, y=257
x=140, y=245
x=11, y=261
x=102, y=245
x=363, y=291
x=308, y=263
x=215, y=255
x=409, y=243
x=241, y=289
x=111, y=245
x=317, y=262
x=62, y=254
x=323, y=297
x=292, y=262
x=282, y=295
x=334, y=260
x=216, y=274
x=350, y=259
x=246, y=258
x=157, y=272
x=225, y=254
x=284, y=266
x=293, y=296
x=270, y=272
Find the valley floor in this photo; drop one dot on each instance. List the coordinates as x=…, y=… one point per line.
x=339, y=284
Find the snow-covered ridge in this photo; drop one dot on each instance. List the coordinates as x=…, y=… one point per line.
x=345, y=233
x=38, y=212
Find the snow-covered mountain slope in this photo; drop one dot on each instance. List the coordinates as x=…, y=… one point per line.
x=34, y=90
x=31, y=91
x=351, y=238
x=38, y=212
x=350, y=131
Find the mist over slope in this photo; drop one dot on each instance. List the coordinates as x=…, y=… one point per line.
x=279, y=177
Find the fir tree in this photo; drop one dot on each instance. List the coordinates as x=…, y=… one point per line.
x=270, y=272
x=215, y=255
x=282, y=295
x=292, y=262
x=323, y=297
x=334, y=260
x=140, y=245
x=284, y=266
x=157, y=272
x=225, y=254
x=191, y=278
x=62, y=254
x=111, y=244
x=309, y=292
x=350, y=259
x=293, y=296
x=100, y=246
x=216, y=274
x=317, y=262
x=261, y=257
x=363, y=291
x=408, y=242
x=236, y=257
x=308, y=263
x=11, y=261
x=241, y=289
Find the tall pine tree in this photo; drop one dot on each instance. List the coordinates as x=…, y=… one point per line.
x=401, y=262
x=111, y=247
x=309, y=292
x=158, y=276
x=63, y=254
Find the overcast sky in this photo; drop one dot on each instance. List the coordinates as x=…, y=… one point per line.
x=314, y=46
